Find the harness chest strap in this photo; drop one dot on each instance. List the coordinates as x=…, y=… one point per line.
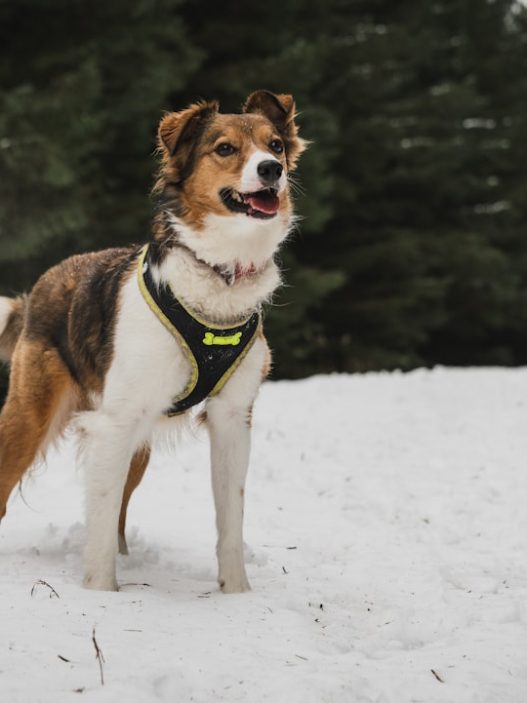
x=214, y=351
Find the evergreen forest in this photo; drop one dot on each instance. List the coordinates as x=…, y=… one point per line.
x=411, y=247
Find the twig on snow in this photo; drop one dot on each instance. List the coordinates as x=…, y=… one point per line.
x=40, y=582
x=437, y=676
x=98, y=655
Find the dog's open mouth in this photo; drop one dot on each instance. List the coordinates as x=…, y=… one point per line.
x=262, y=204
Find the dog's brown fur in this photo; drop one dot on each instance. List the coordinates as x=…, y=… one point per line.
x=13, y=328
x=59, y=340
x=187, y=142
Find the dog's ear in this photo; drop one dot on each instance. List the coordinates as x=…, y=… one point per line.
x=178, y=129
x=280, y=110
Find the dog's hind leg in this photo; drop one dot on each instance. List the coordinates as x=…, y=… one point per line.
x=135, y=475
x=41, y=393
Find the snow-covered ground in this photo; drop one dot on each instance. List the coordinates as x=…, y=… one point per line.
x=386, y=519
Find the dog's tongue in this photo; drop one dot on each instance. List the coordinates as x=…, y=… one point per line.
x=264, y=202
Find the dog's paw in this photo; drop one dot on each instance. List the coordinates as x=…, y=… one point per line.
x=100, y=583
x=238, y=584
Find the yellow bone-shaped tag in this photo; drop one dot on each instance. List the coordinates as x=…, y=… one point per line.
x=211, y=338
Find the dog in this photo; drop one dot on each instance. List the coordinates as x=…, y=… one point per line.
x=121, y=342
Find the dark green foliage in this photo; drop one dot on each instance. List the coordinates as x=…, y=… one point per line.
x=81, y=97
x=413, y=196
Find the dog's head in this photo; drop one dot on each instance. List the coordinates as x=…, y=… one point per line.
x=230, y=168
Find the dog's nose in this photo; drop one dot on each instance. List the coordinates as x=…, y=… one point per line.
x=269, y=171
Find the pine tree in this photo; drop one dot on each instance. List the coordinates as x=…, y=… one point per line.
x=427, y=223
x=413, y=196
x=80, y=100
x=82, y=88
x=284, y=47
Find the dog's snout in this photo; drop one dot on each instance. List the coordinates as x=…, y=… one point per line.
x=269, y=171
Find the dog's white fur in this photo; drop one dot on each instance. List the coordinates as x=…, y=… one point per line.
x=249, y=181
x=221, y=267
x=248, y=242
x=6, y=306
x=149, y=370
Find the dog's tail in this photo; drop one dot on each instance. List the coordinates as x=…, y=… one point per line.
x=12, y=314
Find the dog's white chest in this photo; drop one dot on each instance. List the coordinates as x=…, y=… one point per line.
x=149, y=369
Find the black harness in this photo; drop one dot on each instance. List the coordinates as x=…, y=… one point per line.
x=214, y=351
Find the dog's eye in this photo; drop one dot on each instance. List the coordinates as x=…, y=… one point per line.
x=225, y=149
x=277, y=146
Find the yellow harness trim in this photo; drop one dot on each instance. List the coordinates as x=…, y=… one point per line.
x=223, y=380
x=206, y=323
x=170, y=327
x=209, y=339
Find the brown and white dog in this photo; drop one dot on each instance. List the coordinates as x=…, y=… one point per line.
x=86, y=349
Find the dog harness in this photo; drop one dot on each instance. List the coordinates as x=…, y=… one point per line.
x=214, y=351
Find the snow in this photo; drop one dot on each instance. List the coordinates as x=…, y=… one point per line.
x=387, y=528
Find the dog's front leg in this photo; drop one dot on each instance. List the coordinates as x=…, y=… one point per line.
x=107, y=449
x=229, y=429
